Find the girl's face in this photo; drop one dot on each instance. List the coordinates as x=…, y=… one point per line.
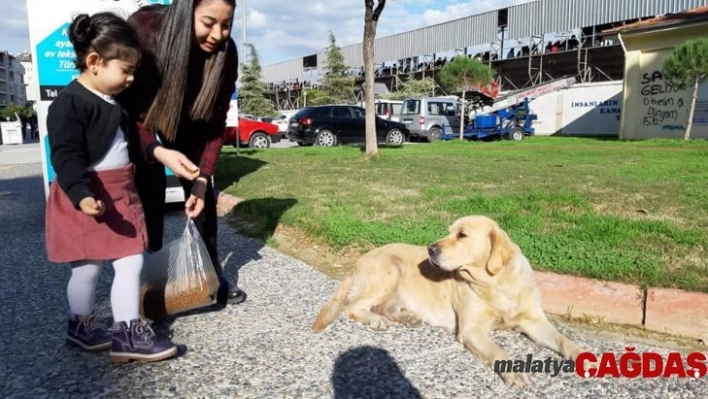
x=212, y=23
x=110, y=77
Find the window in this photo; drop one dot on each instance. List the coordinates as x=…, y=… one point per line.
x=359, y=113
x=397, y=108
x=324, y=112
x=341, y=112
x=411, y=107
x=436, y=108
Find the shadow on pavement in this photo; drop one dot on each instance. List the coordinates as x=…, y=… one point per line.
x=369, y=372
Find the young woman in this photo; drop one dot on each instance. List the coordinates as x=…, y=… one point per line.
x=93, y=211
x=181, y=96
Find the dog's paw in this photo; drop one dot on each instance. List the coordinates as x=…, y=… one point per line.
x=515, y=380
x=409, y=319
x=379, y=322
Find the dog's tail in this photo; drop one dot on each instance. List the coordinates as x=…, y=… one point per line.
x=331, y=310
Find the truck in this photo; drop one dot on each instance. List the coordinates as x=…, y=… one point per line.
x=512, y=123
x=508, y=116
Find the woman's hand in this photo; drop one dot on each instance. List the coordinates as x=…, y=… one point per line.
x=178, y=163
x=194, y=205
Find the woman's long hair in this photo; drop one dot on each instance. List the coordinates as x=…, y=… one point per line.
x=173, y=50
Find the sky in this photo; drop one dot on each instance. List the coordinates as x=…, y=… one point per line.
x=285, y=29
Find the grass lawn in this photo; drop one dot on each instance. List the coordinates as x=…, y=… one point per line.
x=626, y=211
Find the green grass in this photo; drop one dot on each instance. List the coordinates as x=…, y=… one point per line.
x=626, y=211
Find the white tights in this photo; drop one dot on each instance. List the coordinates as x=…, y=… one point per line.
x=125, y=291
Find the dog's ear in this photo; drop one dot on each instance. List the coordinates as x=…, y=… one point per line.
x=502, y=251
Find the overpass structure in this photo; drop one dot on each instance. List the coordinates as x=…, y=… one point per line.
x=526, y=44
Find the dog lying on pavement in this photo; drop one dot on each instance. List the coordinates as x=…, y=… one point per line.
x=473, y=281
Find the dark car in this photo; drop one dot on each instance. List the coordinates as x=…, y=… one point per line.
x=329, y=125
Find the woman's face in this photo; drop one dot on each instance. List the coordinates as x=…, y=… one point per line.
x=212, y=23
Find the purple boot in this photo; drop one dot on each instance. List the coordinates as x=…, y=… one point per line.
x=138, y=342
x=86, y=333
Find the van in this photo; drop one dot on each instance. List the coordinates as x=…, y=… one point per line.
x=425, y=116
x=389, y=109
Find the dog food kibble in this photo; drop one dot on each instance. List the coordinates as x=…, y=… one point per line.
x=185, y=300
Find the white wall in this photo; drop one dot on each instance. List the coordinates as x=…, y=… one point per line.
x=583, y=109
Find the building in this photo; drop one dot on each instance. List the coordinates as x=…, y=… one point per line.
x=527, y=44
x=31, y=87
x=651, y=107
x=12, y=87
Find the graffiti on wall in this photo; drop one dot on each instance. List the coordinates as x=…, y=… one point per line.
x=663, y=102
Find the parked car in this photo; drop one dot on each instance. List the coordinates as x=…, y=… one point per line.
x=283, y=119
x=389, y=109
x=253, y=134
x=329, y=125
x=425, y=116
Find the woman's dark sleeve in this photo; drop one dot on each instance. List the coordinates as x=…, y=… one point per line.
x=66, y=128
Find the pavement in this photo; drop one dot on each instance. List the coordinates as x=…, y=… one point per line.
x=263, y=348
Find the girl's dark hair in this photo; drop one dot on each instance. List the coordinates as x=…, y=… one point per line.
x=105, y=33
x=173, y=50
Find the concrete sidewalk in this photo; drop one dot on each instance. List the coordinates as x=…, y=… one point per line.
x=262, y=348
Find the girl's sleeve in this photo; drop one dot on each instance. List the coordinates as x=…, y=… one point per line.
x=67, y=142
x=215, y=140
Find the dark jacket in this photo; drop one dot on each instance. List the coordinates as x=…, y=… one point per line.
x=201, y=141
x=81, y=127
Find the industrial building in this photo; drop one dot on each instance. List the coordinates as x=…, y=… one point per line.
x=527, y=45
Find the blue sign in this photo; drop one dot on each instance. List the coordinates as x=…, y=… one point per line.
x=55, y=63
x=50, y=170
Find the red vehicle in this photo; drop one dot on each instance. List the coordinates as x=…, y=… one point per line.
x=253, y=134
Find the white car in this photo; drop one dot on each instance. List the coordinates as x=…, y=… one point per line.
x=283, y=120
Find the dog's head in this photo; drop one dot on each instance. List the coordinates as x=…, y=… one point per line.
x=474, y=244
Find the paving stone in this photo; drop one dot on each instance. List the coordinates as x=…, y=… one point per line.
x=610, y=301
x=677, y=312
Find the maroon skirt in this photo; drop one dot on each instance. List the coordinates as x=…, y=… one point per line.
x=72, y=235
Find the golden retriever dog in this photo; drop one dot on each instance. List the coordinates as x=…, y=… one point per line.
x=473, y=281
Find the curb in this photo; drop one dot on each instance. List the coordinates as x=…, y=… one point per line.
x=670, y=311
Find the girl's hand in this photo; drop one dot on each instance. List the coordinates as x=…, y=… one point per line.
x=92, y=207
x=195, y=203
x=178, y=163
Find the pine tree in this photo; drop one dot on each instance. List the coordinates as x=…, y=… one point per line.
x=688, y=66
x=337, y=84
x=463, y=74
x=251, y=88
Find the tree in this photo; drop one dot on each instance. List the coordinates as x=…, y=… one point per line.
x=464, y=74
x=251, y=89
x=24, y=111
x=309, y=97
x=688, y=64
x=371, y=19
x=412, y=88
x=338, y=84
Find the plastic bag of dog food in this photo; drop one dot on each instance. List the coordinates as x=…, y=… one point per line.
x=179, y=277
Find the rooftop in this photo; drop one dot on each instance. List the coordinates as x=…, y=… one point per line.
x=698, y=14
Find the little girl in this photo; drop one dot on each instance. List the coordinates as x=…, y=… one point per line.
x=93, y=211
